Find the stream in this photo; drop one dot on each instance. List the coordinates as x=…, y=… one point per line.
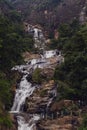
x=25, y=88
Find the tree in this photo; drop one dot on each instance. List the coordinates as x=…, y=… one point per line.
x=71, y=75
x=36, y=76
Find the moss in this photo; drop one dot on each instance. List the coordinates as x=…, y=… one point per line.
x=43, y=93
x=36, y=76
x=5, y=121
x=84, y=123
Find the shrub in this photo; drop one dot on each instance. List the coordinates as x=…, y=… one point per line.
x=36, y=76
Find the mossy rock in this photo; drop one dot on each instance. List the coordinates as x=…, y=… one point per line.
x=36, y=76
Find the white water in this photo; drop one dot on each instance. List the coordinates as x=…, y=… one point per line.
x=38, y=36
x=23, y=125
x=51, y=53
x=25, y=88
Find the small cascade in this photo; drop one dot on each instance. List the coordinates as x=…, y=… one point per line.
x=27, y=125
x=38, y=36
x=49, y=54
x=25, y=90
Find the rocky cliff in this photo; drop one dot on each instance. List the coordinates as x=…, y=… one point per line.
x=49, y=13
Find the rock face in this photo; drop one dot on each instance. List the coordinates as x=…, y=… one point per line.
x=40, y=97
x=29, y=56
x=46, y=91
x=37, y=89
x=83, y=14
x=57, y=106
x=63, y=123
x=62, y=115
x=50, y=13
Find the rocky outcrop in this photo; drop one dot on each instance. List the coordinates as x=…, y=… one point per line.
x=57, y=106
x=16, y=77
x=29, y=56
x=37, y=103
x=9, y=123
x=63, y=123
x=55, y=115
x=50, y=13
x=14, y=122
x=83, y=14
x=42, y=96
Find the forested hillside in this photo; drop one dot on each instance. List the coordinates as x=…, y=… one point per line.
x=63, y=80
x=49, y=13
x=71, y=76
x=13, y=42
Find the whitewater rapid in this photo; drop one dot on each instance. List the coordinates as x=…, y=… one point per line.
x=25, y=88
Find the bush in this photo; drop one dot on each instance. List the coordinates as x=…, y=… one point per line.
x=36, y=76
x=71, y=75
x=84, y=123
x=5, y=121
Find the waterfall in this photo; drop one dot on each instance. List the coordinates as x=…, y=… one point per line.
x=23, y=125
x=25, y=89
x=51, y=53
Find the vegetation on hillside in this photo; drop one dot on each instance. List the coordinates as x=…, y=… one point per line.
x=71, y=75
x=49, y=13
x=13, y=42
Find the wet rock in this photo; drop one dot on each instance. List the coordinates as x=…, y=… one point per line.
x=47, y=73
x=29, y=56
x=37, y=103
x=29, y=78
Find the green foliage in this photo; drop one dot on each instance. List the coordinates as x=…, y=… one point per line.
x=43, y=93
x=36, y=76
x=66, y=31
x=72, y=74
x=5, y=101
x=28, y=44
x=53, y=44
x=6, y=121
x=5, y=95
x=13, y=42
x=5, y=91
x=84, y=123
x=47, y=4
x=14, y=16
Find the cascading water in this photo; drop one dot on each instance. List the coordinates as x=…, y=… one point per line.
x=26, y=88
x=23, y=125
